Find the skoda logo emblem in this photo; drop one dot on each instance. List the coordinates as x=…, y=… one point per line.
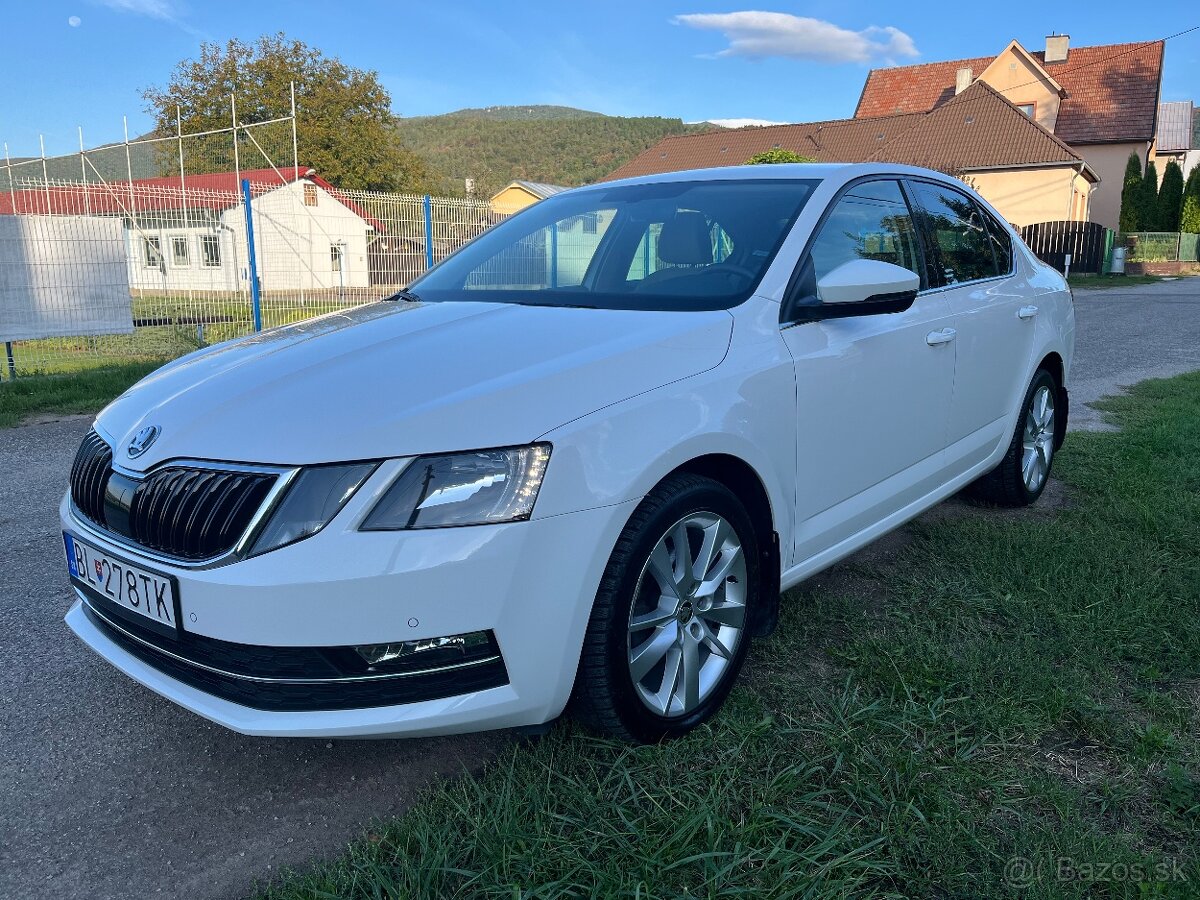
x=142, y=440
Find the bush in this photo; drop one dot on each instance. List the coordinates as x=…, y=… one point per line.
x=1170, y=197
x=1131, y=192
x=777, y=155
x=1148, y=211
x=1189, y=220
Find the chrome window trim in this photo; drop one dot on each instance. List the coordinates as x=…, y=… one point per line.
x=283, y=481
x=391, y=676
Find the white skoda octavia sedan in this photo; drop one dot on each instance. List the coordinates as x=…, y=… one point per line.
x=575, y=464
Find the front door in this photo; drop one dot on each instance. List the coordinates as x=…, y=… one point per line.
x=873, y=392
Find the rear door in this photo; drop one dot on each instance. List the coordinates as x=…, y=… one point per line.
x=873, y=391
x=970, y=264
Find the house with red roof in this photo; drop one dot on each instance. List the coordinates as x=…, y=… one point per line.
x=189, y=234
x=1044, y=135
x=1100, y=101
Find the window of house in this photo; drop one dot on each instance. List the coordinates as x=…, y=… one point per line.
x=961, y=245
x=181, y=256
x=871, y=221
x=310, y=195
x=210, y=251
x=335, y=258
x=1028, y=108
x=152, y=252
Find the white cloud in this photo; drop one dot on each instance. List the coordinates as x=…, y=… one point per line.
x=759, y=35
x=170, y=11
x=741, y=123
x=155, y=9
x=74, y=21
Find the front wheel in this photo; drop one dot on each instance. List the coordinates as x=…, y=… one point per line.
x=1022, y=475
x=669, y=629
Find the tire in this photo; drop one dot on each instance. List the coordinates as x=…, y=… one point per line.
x=693, y=632
x=1010, y=483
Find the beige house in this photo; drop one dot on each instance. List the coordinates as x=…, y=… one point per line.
x=1023, y=170
x=520, y=194
x=1101, y=101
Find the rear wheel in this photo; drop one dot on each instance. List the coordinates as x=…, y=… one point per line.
x=1022, y=475
x=669, y=629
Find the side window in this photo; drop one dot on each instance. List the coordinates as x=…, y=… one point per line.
x=870, y=221
x=961, y=245
x=1001, y=242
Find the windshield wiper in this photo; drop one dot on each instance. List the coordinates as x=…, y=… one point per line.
x=403, y=294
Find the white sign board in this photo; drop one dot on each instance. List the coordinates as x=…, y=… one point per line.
x=63, y=276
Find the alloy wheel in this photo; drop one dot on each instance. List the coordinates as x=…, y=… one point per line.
x=1038, y=439
x=688, y=614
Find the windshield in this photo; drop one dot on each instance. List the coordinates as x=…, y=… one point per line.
x=683, y=245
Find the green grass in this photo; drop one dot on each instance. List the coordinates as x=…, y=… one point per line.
x=1111, y=281
x=78, y=392
x=1005, y=685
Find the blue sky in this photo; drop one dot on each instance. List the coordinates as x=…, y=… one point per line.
x=83, y=62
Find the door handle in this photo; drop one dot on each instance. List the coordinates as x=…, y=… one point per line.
x=944, y=336
x=1027, y=312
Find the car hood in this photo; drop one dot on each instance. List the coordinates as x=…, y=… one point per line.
x=397, y=379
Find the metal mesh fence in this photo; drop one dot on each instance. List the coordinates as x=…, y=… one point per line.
x=167, y=259
x=1151, y=246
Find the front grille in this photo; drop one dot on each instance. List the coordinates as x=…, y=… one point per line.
x=293, y=679
x=187, y=512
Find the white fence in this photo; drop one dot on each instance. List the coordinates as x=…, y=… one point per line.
x=185, y=276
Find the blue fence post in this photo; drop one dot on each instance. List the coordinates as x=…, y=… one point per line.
x=255, y=299
x=554, y=255
x=428, y=232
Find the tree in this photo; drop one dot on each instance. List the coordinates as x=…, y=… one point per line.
x=1170, y=197
x=1131, y=194
x=777, y=155
x=1149, y=217
x=1189, y=219
x=345, y=126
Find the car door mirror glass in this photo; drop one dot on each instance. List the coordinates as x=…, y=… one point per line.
x=867, y=280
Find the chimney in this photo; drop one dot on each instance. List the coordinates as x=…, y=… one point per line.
x=1056, y=47
x=962, y=80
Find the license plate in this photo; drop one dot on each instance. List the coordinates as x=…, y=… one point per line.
x=132, y=588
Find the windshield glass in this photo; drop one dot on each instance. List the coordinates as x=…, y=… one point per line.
x=683, y=245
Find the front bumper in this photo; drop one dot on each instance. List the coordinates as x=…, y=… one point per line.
x=530, y=584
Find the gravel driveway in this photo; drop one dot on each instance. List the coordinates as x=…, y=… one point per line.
x=109, y=791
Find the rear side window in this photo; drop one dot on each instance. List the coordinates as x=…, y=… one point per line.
x=870, y=221
x=961, y=245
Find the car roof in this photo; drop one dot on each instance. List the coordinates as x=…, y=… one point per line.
x=837, y=172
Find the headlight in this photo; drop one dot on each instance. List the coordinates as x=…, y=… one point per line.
x=477, y=488
x=310, y=503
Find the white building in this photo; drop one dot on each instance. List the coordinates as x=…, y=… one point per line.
x=191, y=236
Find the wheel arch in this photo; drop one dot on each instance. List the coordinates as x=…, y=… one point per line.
x=1052, y=362
x=747, y=485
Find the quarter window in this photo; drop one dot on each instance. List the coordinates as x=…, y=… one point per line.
x=1001, y=242
x=871, y=221
x=961, y=246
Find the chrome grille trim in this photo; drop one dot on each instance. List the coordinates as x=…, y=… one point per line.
x=152, y=536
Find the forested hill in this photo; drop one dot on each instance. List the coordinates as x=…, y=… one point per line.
x=554, y=144
x=493, y=145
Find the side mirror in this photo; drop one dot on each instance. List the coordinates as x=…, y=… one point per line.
x=868, y=281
